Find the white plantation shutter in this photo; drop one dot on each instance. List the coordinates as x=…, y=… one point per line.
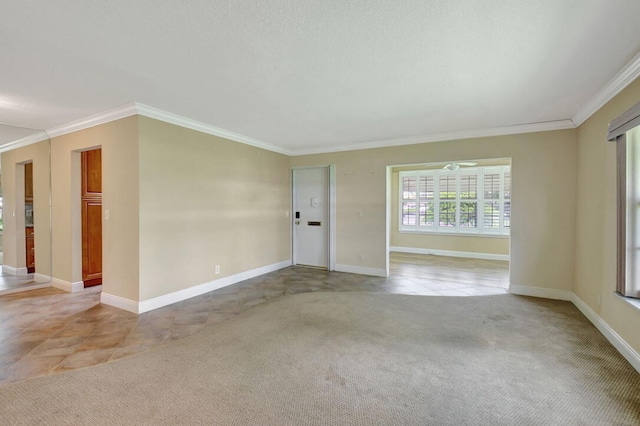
x=408, y=200
x=468, y=201
x=491, y=205
x=506, y=211
x=427, y=204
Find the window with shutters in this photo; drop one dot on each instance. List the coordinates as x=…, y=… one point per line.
x=466, y=201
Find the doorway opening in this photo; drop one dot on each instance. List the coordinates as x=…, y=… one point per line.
x=22, y=245
x=313, y=217
x=448, y=227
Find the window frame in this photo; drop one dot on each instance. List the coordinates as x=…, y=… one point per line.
x=479, y=200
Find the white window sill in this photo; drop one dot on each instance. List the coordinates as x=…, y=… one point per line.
x=454, y=234
x=630, y=300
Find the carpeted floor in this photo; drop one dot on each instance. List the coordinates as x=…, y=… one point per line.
x=355, y=358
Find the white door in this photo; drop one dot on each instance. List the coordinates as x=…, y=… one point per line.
x=311, y=217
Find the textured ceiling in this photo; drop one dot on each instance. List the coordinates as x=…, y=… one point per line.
x=305, y=75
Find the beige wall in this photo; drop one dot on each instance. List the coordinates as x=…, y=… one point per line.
x=461, y=243
x=207, y=201
x=180, y=202
x=543, y=211
x=13, y=206
x=119, y=143
x=595, y=267
x=118, y=140
x=468, y=244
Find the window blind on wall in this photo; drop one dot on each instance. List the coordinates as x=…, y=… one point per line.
x=628, y=200
x=624, y=123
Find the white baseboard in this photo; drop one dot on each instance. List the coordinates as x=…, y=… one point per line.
x=187, y=293
x=24, y=288
x=450, y=253
x=362, y=270
x=614, y=338
x=41, y=278
x=19, y=272
x=10, y=270
x=67, y=286
x=545, y=293
x=119, y=302
x=609, y=333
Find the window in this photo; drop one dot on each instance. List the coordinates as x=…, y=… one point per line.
x=625, y=131
x=466, y=201
x=1, y=219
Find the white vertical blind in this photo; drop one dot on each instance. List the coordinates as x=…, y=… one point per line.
x=632, y=284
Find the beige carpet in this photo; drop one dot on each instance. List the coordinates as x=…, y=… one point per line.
x=353, y=358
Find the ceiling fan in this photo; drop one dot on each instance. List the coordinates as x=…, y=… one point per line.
x=452, y=167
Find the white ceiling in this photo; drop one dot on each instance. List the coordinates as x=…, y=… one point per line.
x=307, y=75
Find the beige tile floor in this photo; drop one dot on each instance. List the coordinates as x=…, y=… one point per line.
x=47, y=331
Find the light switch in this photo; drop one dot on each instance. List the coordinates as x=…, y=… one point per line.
x=106, y=215
x=314, y=201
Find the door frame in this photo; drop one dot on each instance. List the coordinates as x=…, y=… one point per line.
x=331, y=210
x=19, y=214
x=390, y=225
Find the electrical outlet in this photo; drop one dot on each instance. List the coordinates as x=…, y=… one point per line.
x=217, y=269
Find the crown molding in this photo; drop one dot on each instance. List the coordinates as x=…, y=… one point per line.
x=135, y=108
x=73, y=126
x=199, y=126
x=39, y=136
x=622, y=79
x=158, y=114
x=94, y=120
x=445, y=136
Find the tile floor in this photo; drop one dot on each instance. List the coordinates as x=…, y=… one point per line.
x=448, y=276
x=47, y=331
